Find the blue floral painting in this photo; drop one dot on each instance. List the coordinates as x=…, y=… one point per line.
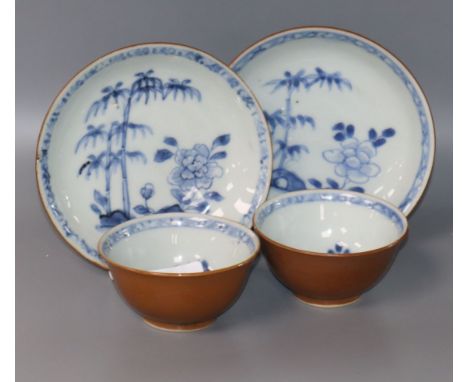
x=107, y=144
x=354, y=160
x=194, y=168
x=195, y=171
x=284, y=118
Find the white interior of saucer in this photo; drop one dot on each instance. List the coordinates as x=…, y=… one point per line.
x=381, y=94
x=238, y=166
x=172, y=241
x=331, y=222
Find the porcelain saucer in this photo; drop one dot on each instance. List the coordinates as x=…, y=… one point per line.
x=147, y=129
x=344, y=114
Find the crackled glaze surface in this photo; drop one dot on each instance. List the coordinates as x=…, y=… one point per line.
x=344, y=114
x=149, y=129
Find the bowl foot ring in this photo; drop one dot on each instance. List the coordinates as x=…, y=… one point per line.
x=328, y=303
x=177, y=327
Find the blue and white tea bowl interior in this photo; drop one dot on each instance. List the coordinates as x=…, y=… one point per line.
x=148, y=129
x=344, y=114
x=165, y=242
x=330, y=221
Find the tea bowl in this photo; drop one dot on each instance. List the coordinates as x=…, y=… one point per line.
x=329, y=246
x=148, y=259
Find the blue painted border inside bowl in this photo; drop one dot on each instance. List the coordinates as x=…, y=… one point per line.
x=160, y=221
x=123, y=54
x=425, y=164
x=302, y=197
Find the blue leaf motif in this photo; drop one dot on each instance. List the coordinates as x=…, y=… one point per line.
x=296, y=149
x=339, y=126
x=178, y=195
x=357, y=189
x=271, y=120
x=203, y=207
x=372, y=134
x=95, y=209
x=218, y=155
x=163, y=155
x=349, y=131
x=173, y=208
x=389, y=132
x=213, y=195
x=310, y=121
x=379, y=142
x=222, y=140
x=340, y=137
x=171, y=141
x=141, y=209
x=100, y=199
x=304, y=120
x=274, y=119
x=315, y=182
x=332, y=183
x=136, y=155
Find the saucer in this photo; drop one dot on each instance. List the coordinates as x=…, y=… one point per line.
x=344, y=114
x=148, y=129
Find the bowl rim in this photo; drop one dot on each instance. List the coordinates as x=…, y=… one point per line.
x=346, y=193
x=254, y=253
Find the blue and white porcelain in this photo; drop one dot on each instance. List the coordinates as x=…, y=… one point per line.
x=330, y=221
x=151, y=260
x=148, y=129
x=344, y=114
x=329, y=246
x=173, y=242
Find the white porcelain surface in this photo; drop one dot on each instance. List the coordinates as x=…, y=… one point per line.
x=358, y=120
x=148, y=129
x=159, y=242
x=318, y=221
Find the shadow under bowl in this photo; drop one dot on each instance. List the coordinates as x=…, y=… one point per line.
x=170, y=299
x=329, y=246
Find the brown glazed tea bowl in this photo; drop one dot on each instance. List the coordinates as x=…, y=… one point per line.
x=329, y=246
x=179, y=271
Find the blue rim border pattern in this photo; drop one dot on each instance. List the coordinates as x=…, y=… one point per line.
x=312, y=196
x=160, y=221
x=123, y=54
x=394, y=65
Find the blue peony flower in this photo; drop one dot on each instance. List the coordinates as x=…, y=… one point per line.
x=195, y=169
x=353, y=160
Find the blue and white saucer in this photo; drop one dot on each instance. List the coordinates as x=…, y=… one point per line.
x=148, y=129
x=344, y=114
